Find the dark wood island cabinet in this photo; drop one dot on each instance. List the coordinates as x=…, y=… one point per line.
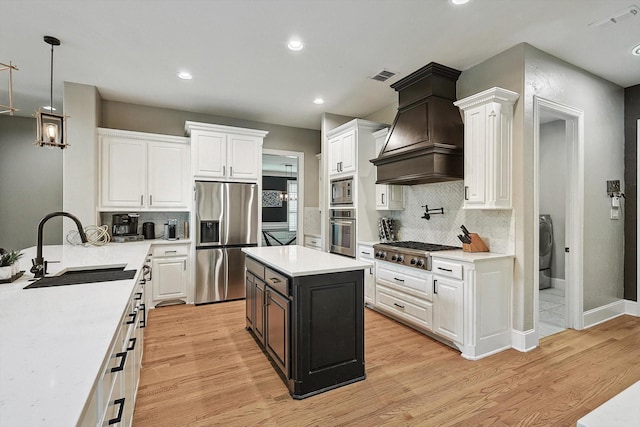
x=306, y=310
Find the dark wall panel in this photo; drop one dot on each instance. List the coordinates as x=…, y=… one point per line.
x=274, y=214
x=631, y=116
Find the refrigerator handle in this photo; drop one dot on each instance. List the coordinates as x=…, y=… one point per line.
x=224, y=170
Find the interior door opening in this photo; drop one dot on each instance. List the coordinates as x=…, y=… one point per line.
x=559, y=212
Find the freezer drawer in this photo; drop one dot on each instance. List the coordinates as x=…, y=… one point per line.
x=210, y=276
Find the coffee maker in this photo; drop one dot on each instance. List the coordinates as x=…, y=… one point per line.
x=125, y=227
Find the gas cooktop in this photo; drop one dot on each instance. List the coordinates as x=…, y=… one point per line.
x=409, y=253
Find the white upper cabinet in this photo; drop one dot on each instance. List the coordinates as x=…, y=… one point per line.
x=388, y=197
x=143, y=171
x=342, y=153
x=488, y=118
x=225, y=152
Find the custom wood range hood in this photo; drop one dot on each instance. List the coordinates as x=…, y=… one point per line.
x=426, y=142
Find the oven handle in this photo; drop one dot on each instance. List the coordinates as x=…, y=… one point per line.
x=342, y=222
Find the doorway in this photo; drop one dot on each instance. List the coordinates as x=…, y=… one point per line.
x=282, y=197
x=558, y=217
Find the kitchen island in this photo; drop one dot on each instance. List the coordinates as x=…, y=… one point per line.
x=305, y=309
x=57, y=343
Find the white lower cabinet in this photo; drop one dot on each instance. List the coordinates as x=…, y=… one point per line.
x=465, y=300
x=170, y=273
x=312, y=242
x=113, y=401
x=365, y=252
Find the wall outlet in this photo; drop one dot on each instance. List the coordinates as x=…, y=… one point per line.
x=613, y=186
x=615, y=213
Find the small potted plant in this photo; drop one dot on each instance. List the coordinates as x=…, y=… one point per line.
x=8, y=264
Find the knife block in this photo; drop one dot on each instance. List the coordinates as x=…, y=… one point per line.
x=476, y=245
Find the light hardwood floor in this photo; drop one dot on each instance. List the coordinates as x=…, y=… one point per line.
x=202, y=368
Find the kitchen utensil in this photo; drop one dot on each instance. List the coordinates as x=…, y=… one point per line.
x=464, y=239
x=464, y=230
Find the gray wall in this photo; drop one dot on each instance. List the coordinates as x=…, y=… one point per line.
x=553, y=178
x=631, y=116
x=30, y=185
x=529, y=71
x=118, y=115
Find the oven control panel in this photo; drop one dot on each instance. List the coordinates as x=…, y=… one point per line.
x=399, y=258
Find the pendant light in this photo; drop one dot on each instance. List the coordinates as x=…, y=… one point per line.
x=284, y=196
x=51, y=130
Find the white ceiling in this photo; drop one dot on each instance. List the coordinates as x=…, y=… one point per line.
x=131, y=50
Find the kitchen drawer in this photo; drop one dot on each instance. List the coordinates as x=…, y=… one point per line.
x=254, y=267
x=445, y=268
x=313, y=242
x=365, y=252
x=276, y=281
x=405, y=307
x=170, y=250
x=418, y=285
x=113, y=414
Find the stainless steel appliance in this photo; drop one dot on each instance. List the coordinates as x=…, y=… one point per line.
x=410, y=254
x=125, y=228
x=226, y=221
x=171, y=230
x=342, y=232
x=342, y=191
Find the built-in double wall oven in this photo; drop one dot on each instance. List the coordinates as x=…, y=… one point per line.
x=342, y=232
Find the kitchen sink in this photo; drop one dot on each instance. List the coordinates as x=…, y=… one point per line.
x=77, y=276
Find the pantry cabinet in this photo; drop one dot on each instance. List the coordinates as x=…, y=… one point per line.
x=388, y=197
x=225, y=152
x=488, y=118
x=143, y=171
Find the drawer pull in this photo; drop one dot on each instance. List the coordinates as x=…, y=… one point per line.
x=445, y=269
x=366, y=253
x=132, y=344
x=399, y=280
x=118, y=417
x=138, y=296
x=170, y=252
x=398, y=305
x=123, y=359
x=275, y=280
x=435, y=286
x=133, y=318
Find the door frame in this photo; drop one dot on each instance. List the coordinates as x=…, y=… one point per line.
x=637, y=303
x=300, y=156
x=574, y=235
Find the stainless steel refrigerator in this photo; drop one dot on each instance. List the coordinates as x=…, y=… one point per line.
x=226, y=221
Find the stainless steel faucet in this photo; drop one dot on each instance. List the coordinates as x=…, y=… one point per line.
x=39, y=268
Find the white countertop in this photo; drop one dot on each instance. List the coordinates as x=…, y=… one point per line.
x=294, y=260
x=621, y=410
x=53, y=341
x=460, y=255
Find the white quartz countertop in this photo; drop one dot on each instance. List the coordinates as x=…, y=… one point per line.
x=460, y=255
x=621, y=410
x=294, y=260
x=53, y=341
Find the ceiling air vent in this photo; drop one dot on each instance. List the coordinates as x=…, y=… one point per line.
x=383, y=75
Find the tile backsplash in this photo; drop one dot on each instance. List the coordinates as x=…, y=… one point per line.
x=312, y=220
x=158, y=218
x=495, y=227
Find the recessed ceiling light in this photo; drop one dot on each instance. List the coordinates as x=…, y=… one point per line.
x=636, y=50
x=295, y=44
x=49, y=108
x=318, y=101
x=459, y=2
x=185, y=75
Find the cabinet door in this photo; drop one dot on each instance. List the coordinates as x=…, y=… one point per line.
x=168, y=175
x=475, y=157
x=170, y=278
x=209, y=154
x=243, y=157
x=123, y=180
x=277, y=329
x=448, y=306
x=249, y=301
x=382, y=198
x=258, y=320
x=348, y=152
x=335, y=155
x=366, y=253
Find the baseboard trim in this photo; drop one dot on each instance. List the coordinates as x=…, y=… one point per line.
x=602, y=314
x=524, y=341
x=632, y=308
x=558, y=284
